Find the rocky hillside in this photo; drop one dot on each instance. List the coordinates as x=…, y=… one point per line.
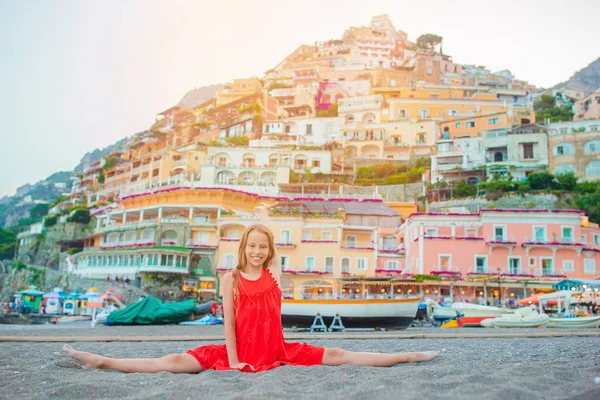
x=199, y=95
x=587, y=79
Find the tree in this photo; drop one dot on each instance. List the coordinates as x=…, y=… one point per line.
x=545, y=108
x=101, y=177
x=590, y=203
x=8, y=244
x=540, y=180
x=37, y=212
x=241, y=141
x=80, y=216
x=429, y=41
x=566, y=181
x=110, y=163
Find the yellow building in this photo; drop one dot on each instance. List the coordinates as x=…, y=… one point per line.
x=238, y=89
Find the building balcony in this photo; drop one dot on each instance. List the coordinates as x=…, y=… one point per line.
x=128, y=244
x=201, y=245
x=554, y=244
x=306, y=270
x=352, y=245
x=132, y=225
x=289, y=244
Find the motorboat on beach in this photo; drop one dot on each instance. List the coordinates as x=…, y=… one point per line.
x=359, y=313
x=468, y=314
x=574, y=322
x=521, y=318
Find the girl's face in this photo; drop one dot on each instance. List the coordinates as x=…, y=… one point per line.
x=257, y=249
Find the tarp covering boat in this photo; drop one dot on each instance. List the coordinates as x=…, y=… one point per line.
x=150, y=310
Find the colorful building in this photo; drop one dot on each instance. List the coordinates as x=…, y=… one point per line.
x=575, y=147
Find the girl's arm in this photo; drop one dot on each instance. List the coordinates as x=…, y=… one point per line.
x=229, y=319
x=275, y=269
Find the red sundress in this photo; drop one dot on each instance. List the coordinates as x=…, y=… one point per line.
x=258, y=332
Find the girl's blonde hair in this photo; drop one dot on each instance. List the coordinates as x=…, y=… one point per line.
x=243, y=261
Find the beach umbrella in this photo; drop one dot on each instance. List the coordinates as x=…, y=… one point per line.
x=92, y=290
x=31, y=291
x=534, y=299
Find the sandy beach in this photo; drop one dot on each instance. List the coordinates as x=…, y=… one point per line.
x=469, y=368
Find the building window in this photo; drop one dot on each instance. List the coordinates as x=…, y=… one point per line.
x=514, y=265
x=286, y=236
x=547, y=267
x=593, y=146
x=564, y=169
x=567, y=234
x=531, y=261
x=589, y=266
x=309, y=129
x=309, y=263
x=391, y=266
x=350, y=241
x=345, y=265
x=445, y=262
x=593, y=169
x=563, y=148
x=539, y=233
x=423, y=113
x=421, y=138
x=594, y=128
x=329, y=264
x=326, y=235
x=584, y=239
x=470, y=124
x=307, y=235
x=316, y=164
x=564, y=131
x=596, y=239
x=267, y=126
x=431, y=232
x=528, y=151
x=493, y=121
x=230, y=261
x=471, y=232
x=285, y=262
x=362, y=264
x=480, y=264
x=452, y=112
x=233, y=234
x=499, y=233
x=568, y=266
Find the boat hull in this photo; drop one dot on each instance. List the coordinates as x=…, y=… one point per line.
x=582, y=322
x=397, y=313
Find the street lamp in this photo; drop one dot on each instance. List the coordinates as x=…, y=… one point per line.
x=498, y=270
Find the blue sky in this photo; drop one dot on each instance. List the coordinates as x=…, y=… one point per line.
x=78, y=75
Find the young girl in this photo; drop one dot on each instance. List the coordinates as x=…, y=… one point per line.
x=254, y=339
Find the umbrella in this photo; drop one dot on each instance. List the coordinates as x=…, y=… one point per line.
x=56, y=293
x=534, y=299
x=31, y=291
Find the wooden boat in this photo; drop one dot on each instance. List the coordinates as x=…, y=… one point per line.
x=579, y=322
x=360, y=313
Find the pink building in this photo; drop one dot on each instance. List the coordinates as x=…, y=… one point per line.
x=506, y=253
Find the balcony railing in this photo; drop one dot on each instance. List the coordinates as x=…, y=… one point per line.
x=499, y=239
x=544, y=241
x=354, y=245
x=200, y=244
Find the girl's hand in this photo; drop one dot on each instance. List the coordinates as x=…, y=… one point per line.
x=241, y=366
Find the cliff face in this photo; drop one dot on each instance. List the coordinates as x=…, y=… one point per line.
x=586, y=80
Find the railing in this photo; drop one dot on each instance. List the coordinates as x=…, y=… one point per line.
x=497, y=239
x=354, y=245
x=564, y=241
x=443, y=268
x=200, y=244
x=305, y=270
x=174, y=220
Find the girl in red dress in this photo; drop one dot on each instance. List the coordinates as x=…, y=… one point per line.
x=254, y=339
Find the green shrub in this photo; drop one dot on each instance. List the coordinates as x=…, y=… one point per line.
x=50, y=221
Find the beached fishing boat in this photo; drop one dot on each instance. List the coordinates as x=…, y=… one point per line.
x=572, y=322
x=392, y=313
x=468, y=310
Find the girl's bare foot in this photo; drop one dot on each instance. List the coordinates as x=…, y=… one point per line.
x=426, y=355
x=88, y=360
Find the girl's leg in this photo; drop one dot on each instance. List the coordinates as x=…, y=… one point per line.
x=175, y=363
x=336, y=356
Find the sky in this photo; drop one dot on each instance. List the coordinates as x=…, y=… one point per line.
x=76, y=75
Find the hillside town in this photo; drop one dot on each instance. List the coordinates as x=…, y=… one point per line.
x=287, y=149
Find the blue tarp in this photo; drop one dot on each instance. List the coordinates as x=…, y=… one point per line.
x=206, y=320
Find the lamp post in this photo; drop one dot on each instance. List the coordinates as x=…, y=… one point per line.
x=498, y=270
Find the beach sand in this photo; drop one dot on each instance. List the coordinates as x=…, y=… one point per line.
x=473, y=368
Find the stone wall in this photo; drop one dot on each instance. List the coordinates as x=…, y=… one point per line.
x=530, y=202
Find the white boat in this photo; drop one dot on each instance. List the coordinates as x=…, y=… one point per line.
x=468, y=310
x=392, y=313
x=522, y=318
x=579, y=322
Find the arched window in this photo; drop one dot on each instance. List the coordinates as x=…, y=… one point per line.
x=593, y=146
x=498, y=156
x=563, y=149
x=593, y=169
x=564, y=169
x=345, y=265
